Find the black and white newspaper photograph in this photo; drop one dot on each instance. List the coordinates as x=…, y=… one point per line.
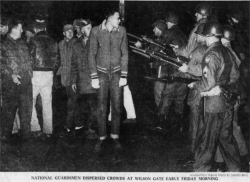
x=124, y=90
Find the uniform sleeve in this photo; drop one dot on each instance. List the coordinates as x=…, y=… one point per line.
x=74, y=68
x=92, y=54
x=124, y=58
x=235, y=73
x=208, y=74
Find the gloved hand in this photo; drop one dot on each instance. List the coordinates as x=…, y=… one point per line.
x=95, y=83
x=122, y=82
x=183, y=68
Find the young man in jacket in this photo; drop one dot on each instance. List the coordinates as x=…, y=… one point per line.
x=17, y=90
x=44, y=56
x=108, y=63
x=65, y=49
x=80, y=77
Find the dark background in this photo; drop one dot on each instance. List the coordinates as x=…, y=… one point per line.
x=139, y=15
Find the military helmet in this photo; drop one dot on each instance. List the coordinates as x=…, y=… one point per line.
x=212, y=28
x=200, y=29
x=203, y=9
x=228, y=32
x=160, y=24
x=172, y=17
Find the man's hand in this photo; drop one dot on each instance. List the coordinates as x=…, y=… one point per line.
x=183, y=68
x=174, y=46
x=74, y=88
x=138, y=44
x=214, y=91
x=122, y=82
x=191, y=85
x=95, y=83
x=15, y=79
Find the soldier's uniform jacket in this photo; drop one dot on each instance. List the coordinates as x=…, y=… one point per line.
x=218, y=68
x=177, y=37
x=108, y=50
x=194, y=68
x=80, y=72
x=65, y=49
x=192, y=40
x=16, y=55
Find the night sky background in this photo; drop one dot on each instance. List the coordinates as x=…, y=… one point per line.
x=139, y=15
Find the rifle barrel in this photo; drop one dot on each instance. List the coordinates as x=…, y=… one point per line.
x=131, y=35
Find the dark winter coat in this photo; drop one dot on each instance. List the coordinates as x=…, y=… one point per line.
x=80, y=72
x=44, y=52
x=15, y=54
x=65, y=49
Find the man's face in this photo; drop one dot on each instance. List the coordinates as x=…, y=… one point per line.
x=198, y=16
x=86, y=30
x=17, y=31
x=29, y=34
x=78, y=30
x=3, y=29
x=115, y=20
x=169, y=24
x=69, y=34
x=157, y=32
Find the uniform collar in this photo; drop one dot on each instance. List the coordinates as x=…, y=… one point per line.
x=214, y=45
x=103, y=27
x=227, y=44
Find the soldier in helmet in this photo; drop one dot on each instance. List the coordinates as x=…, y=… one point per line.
x=194, y=98
x=159, y=27
x=173, y=92
x=203, y=11
x=228, y=36
x=218, y=68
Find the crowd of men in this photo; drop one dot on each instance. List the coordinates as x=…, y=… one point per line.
x=94, y=63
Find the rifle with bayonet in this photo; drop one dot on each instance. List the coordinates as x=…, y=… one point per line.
x=148, y=40
x=160, y=56
x=172, y=79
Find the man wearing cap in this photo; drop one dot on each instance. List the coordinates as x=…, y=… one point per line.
x=202, y=12
x=44, y=56
x=173, y=92
x=108, y=63
x=218, y=68
x=65, y=49
x=81, y=80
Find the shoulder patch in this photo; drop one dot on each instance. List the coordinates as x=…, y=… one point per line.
x=207, y=59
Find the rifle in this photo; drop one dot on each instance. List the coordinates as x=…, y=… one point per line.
x=144, y=38
x=159, y=56
x=171, y=79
